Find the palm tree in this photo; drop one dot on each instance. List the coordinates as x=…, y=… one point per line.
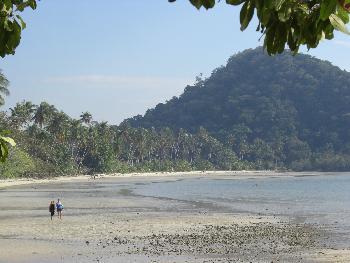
x=86, y=117
x=141, y=140
x=43, y=113
x=3, y=88
x=58, y=124
x=22, y=114
x=75, y=129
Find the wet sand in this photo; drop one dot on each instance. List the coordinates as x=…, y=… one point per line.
x=223, y=174
x=105, y=221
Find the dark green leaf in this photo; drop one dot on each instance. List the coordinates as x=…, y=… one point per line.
x=246, y=14
x=343, y=14
x=196, y=3
x=208, y=3
x=234, y=2
x=284, y=13
x=327, y=8
x=278, y=4
x=265, y=16
x=23, y=24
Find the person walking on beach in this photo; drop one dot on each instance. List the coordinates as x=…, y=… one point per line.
x=59, y=208
x=52, y=209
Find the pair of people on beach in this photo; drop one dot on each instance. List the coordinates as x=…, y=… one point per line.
x=56, y=207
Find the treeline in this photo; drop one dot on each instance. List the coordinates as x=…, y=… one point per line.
x=256, y=112
x=51, y=143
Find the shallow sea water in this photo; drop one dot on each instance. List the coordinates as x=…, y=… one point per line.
x=323, y=199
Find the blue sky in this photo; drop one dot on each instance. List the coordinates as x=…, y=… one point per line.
x=116, y=58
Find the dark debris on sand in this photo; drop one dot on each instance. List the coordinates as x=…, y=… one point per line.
x=257, y=242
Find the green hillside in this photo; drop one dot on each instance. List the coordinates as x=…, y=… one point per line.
x=285, y=109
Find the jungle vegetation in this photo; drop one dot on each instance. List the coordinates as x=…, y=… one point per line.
x=256, y=112
x=50, y=143
x=282, y=111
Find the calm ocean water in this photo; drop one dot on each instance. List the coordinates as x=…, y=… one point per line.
x=321, y=199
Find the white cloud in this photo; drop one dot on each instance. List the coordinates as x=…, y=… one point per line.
x=118, y=81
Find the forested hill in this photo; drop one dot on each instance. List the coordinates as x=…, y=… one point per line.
x=298, y=103
x=272, y=96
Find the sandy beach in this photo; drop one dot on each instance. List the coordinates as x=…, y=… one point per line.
x=106, y=221
x=238, y=174
x=232, y=174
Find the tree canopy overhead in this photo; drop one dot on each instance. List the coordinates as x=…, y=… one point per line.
x=290, y=22
x=282, y=22
x=12, y=24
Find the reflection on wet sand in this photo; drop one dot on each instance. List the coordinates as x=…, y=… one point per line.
x=137, y=220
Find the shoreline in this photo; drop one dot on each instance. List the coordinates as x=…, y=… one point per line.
x=241, y=174
x=102, y=222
